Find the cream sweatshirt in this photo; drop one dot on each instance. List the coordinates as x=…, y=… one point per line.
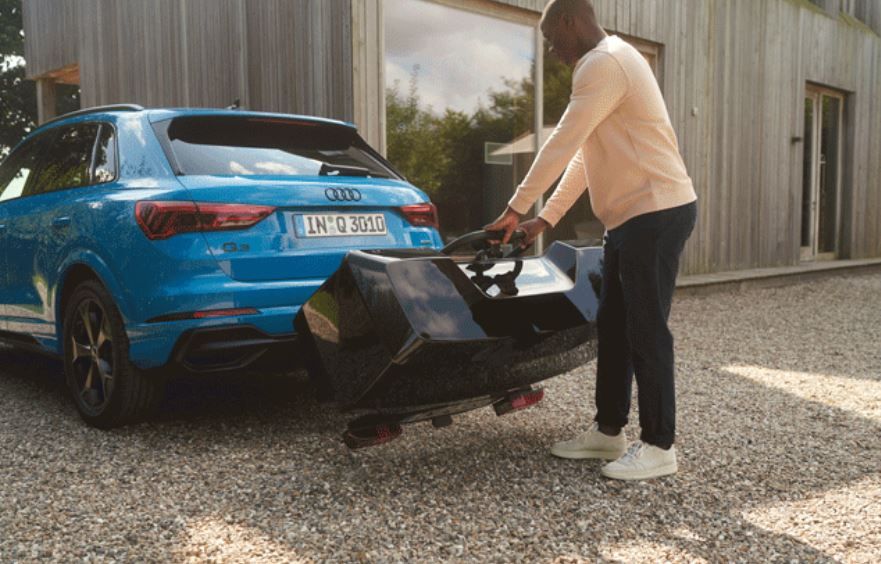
x=617, y=140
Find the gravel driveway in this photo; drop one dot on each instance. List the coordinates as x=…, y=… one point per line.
x=780, y=459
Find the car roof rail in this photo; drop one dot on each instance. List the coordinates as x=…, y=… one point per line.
x=97, y=109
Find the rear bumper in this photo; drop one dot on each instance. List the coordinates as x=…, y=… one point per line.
x=214, y=345
x=220, y=349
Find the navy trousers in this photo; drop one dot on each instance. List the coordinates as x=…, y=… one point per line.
x=640, y=263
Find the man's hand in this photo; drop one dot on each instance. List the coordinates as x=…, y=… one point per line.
x=533, y=228
x=507, y=222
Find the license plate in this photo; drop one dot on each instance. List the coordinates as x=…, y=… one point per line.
x=340, y=225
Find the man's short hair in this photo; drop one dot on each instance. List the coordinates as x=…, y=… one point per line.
x=574, y=8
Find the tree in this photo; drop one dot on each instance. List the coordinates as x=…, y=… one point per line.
x=11, y=31
x=411, y=137
x=18, y=97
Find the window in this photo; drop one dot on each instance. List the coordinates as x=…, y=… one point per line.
x=18, y=168
x=460, y=103
x=268, y=146
x=68, y=162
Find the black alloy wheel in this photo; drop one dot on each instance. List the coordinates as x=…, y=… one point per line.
x=92, y=346
x=107, y=389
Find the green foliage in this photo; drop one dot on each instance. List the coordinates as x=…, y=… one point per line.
x=18, y=97
x=11, y=33
x=18, y=102
x=411, y=138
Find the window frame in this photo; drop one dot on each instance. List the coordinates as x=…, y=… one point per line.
x=647, y=47
x=492, y=9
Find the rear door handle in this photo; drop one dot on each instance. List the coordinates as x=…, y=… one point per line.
x=2, y=228
x=61, y=222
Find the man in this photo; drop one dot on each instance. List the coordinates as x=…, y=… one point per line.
x=616, y=140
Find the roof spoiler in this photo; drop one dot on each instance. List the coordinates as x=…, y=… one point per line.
x=97, y=109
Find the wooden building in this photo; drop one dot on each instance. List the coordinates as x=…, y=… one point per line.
x=776, y=103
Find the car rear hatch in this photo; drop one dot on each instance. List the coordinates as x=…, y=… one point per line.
x=322, y=190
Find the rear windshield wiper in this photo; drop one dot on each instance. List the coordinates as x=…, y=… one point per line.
x=328, y=169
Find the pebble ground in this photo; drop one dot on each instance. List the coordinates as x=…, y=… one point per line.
x=779, y=396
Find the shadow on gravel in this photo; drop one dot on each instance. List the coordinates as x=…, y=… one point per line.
x=252, y=468
x=258, y=463
x=41, y=372
x=191, y=399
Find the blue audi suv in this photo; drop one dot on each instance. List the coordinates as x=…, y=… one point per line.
x=135, y=243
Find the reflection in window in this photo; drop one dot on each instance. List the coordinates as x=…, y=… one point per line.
x=259, y=146
x=459, y=89
x=105, y=156
x=68, y=162
x=17, y=170
x=16, y=186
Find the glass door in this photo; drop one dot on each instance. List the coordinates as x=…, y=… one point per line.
x=821, y=184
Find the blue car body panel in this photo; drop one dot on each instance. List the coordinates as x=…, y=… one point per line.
x=47, y=236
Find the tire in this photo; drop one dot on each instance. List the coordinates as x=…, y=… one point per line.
x=107, y=390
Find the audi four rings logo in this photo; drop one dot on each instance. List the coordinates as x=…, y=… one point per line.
x=343, y=195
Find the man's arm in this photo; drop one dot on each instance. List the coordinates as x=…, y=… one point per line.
x=571, y=187
x=598, y=87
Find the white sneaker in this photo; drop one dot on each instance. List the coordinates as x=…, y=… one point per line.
x=592, y=444
x=641, y=462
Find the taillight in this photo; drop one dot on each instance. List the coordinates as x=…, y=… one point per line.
x=518, y=401
x=421, y=215
x=161, y=220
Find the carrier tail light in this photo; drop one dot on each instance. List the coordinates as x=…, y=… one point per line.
x=518, y=401
x=371, y=436
x=161, y=220
x=421, y=215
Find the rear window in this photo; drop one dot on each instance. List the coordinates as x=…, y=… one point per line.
x=247, y=146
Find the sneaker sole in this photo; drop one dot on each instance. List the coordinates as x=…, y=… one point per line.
x=641, y=475
x=585, y=454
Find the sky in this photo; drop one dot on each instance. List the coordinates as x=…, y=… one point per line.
x=461, y=55
x=11, y=61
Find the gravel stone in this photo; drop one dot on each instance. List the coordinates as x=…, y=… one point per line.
x=779, y=410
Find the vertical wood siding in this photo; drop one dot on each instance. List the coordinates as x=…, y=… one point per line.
x=300, y=56
x=280, y=55
x=50, y=41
